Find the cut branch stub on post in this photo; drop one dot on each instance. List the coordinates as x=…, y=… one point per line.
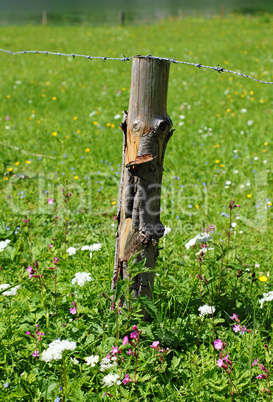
x=147, y=130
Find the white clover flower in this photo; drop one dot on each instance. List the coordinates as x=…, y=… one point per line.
x=91, y=360
x=266, y=297
x=204, y=310
x=167, y=230
x=81, y=278
x=106, y=363
x=11, y=292
x=111, y=379
x=71, y=250
x=204, y=237
x=56, y=348
x=4, y=244
x=95, y=247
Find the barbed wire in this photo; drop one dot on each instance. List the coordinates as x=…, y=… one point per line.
x=125, y=59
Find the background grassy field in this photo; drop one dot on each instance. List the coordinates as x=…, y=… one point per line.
x=61, y=114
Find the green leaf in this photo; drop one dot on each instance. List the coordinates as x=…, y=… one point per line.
x=149, y=306
x=120, y=288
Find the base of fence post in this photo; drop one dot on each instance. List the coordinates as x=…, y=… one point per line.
x=147, y=130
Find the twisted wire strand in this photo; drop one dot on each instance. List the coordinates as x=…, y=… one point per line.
x=125, y=59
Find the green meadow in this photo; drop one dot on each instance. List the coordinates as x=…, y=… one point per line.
x=60, y=163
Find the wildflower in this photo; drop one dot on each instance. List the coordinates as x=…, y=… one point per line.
x=81, y=278
x=4, y=244
x=57, y=399
x=125, y=340
x=201, y=238
x=261, y=376
x=55, y=260
x=235, y=317
x=218, y=344
x=266, y=297
x=91, y=360
x=134, y=335
x=114, y=350
x=111, y=379
x=73, y=309
x=262, y=278
x=11, y=292
x=167, y=230
x=93, y=247
x=129, y=352
x=220, y=363
x=36, y=353
x=106, y=363
x=6, y=385
x=71, y=250
x=87, y=150
x=56, y=348
x=126, y=379
x=74, y=360
x=236, y=328
x=255, y=362
x=50, y=201
x=205, y=309
x=28, y=162
x=154, y=345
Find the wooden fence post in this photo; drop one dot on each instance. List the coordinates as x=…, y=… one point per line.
x=147, y=130
x=44, y=17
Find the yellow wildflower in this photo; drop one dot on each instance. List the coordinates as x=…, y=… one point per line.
x=263, y=278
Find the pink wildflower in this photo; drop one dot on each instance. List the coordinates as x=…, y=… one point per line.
x=135, y=327
x=50, y=246
x=73, y=309
x=55, y=260
x=236, y=328
x=50, y=201
x=134, y=335
x=235, y=317
x=126, y=379
x=154, y=345
x=36, y=353
x=243, y=330
x=125, y=340
x=114, y=350
x=129, y=352
x=261, y=376
x=255, y=362
x=218, y=344
x=30, y=271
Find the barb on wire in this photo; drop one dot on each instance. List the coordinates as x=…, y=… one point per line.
x=125, y=59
